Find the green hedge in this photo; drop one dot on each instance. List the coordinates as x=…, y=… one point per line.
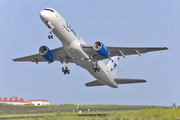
x=29, y=109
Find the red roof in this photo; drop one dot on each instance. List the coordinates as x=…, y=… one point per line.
x=28, y=101
x=39, y=100
x=11, y=99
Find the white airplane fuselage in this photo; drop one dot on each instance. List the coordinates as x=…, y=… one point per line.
x=73, y=43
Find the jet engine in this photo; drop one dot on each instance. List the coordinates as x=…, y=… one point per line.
x=100, y=49
x=46, y=53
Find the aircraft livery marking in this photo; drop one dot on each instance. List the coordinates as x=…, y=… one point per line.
x=72, y=30
x=115, y=65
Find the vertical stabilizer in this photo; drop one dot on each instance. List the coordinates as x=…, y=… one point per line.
x=113, y=64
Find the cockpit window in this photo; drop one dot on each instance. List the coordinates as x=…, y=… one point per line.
x=49, y=10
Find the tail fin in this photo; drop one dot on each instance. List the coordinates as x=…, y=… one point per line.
x=113, y=64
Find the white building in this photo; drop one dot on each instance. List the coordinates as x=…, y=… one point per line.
x=37, y=102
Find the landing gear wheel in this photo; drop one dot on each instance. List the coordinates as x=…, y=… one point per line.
x=96, y=68
x=65, y=70
x=51, y=36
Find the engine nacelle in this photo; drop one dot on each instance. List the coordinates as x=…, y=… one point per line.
x=101, y=49
x=46, y=53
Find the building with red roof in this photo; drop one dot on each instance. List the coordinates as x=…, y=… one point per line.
x=37, y=102
x=20, y=101
x=12, y=100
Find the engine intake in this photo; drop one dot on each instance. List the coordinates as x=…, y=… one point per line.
x=46, y=53
x=100, y=49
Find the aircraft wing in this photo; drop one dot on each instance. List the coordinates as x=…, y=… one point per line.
x=117, y=80
x=58, y=53
x=122, y=51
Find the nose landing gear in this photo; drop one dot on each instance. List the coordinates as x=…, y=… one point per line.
x=51, y=27
x=50, y=36
x=50, y=31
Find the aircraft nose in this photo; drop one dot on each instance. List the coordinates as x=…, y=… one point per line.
x=43, y=15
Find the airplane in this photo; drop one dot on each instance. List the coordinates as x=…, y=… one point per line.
x=89, y=57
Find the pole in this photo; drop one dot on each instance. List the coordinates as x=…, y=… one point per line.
x=77, y=109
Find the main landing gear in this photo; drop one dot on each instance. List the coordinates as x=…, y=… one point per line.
x=66, y=70
x=96, y=68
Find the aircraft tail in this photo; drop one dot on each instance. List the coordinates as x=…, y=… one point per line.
x=113, y=64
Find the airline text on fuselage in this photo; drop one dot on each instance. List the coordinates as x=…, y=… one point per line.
x=72, y=30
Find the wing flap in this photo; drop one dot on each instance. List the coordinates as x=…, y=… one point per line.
x=132, y=50
x=128, y=80
x=122, y=51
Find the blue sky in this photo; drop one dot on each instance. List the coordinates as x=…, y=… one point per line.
x=125, y=23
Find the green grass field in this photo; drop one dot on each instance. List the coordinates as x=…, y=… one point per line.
x=147, y=114
x=115, y=112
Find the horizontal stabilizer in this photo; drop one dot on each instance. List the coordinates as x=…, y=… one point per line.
x=128, y=80
x=117, y=80
x=94, y=83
